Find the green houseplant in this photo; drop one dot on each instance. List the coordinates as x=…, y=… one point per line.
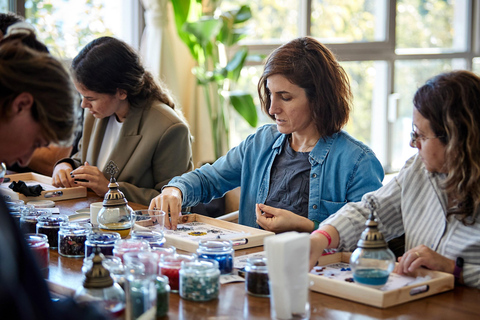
x=212, y=38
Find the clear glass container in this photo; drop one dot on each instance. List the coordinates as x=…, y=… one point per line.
x=17, y=208
x=256, y=277
x=170, y=266
x=199, y=280
x=38, y=243
x=163, y=295
x=111, y=263
x=219, y=250
x=123, y=246
x=141, y=271
x=164, y=250
x=50, y=225
x=154, y=239
x=72, y=237
x=118, y=219
x=105, y=241
x=28, y=220
x=372, y=267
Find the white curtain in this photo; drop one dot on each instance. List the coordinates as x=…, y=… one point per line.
x=168, y=58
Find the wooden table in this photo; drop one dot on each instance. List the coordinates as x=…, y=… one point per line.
x=461, y=303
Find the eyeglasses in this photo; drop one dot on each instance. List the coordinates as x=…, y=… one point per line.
x=415, y=137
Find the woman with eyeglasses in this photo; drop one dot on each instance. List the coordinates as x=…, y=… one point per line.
x=435, y=199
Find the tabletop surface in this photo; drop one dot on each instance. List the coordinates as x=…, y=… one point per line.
x=64, y=276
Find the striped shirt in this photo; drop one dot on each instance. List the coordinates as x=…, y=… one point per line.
x=415, y=204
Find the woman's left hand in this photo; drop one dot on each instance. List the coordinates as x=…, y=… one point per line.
x=90, y=177
x=280, y=220
x=423, y=256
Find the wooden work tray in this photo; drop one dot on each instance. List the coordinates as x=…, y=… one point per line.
x=251, y=237
x=50, y=192
x=439, y=282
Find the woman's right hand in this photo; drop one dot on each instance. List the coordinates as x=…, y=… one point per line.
x=61, y=176
x=170, y=201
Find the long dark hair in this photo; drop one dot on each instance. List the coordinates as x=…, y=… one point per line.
x=107, y=64
x=451, y=102
x=310, y=65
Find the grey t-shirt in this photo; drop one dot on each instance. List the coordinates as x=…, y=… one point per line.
x=289, y=181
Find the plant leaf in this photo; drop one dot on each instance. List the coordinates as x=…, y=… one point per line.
x=204, y=30
x=235, y=65
x=243, y=103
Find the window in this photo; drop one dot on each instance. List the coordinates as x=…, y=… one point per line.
x=388, y=49
x=67, y=26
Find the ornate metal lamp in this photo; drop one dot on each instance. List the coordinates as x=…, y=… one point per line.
x=116, y=215
x=99, y=287
x=372, y=261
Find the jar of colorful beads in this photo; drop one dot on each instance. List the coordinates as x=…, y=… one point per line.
x=38, y=243
x=170, y=266
x=105, y=241
x=219, y=250
x=72, y=237
x=256, y=277
x=199, y=280
x=28, y=220
x=50, y=225
x=154, y=239
x=123, y=246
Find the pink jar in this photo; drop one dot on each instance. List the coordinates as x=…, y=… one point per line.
x=38, y=243
x=123, y=246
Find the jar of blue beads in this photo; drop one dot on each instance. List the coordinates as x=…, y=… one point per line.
x=105, y=241
x=219, y=250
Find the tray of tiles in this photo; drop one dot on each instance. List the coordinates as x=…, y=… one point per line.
x=195, y=227
x=333, y=276
x=49, y=191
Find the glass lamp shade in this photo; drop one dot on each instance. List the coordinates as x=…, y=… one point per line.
x=117, y=219
x=372, y=261
x=372, y=267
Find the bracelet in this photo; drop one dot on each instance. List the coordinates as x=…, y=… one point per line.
x=325, y=233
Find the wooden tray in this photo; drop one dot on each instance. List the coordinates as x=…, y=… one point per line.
x=439, y=282
x=50, y=192
x=253, y=236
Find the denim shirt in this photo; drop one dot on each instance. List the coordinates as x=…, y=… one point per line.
x=343, y=169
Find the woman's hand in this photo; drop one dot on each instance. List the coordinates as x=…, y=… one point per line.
x=280, y=220
x=423, y=256
x=61, y=175
x=170, y=201
x=90, y=177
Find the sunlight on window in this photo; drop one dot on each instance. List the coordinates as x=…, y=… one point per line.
x=66, y=26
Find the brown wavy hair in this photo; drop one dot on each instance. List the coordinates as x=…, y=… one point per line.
x=107, y=64
x=23, y=69
x=451, y=102
x=310, y=65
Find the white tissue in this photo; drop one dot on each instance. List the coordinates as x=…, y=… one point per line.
x=288, y=261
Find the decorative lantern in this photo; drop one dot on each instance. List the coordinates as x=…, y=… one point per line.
x=372, y=261
x=116, y=215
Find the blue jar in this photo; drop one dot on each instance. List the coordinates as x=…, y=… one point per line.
x=219, y=250
x=105, y=241
x=154, y=239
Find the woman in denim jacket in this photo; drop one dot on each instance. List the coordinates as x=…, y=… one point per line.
x=296, y=173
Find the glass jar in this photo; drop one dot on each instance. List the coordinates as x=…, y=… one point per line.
x=219, y=250
x=123, y=246
x=116, y=219
x=28, y=220
x=163, y=295
x=154, y=239
x=199, y=280
x=38, y=243
x=170, y=266
x=105, y=241
x=256, y=277
x=110, y=263
x=72, y=237
x=50, y=225
x=372, y=267
x=17, y=208
x=141, y=271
